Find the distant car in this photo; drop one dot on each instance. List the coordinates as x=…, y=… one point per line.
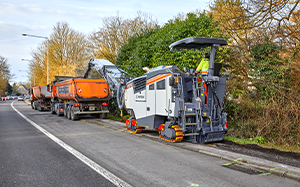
x=9, y=97
x=20, y=98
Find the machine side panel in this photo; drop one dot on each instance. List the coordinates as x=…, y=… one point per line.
x=151, y=122
x=161, y=99
x=220, y=90
x=151, y=96
x=139, y=107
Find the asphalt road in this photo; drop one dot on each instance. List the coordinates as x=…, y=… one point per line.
x=30, y=158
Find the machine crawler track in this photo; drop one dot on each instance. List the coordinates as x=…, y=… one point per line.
x=179, y=135
x=135, y=128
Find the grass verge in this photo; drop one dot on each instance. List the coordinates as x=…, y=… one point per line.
x=258, y=141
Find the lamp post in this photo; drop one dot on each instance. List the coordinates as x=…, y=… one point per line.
x=27, y=72
x=44, y=37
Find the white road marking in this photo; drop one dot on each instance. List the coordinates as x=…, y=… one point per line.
x=106, y=174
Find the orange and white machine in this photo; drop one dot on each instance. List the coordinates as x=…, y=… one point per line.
x=171, y=101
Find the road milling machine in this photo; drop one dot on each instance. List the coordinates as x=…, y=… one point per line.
x=170, y=101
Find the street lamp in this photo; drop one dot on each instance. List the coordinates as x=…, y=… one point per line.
x=26, y=60
x=44, y=37
x=27, y=71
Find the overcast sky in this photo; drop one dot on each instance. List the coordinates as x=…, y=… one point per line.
x=38, y=17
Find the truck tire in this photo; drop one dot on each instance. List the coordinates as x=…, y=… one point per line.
x=103, y=115
x=69, y=112
x=57, y=111
x=32, y=104
x=65, y=111
x=73, y=116
x=52, y=110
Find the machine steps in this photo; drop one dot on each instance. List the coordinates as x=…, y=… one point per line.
x=191, y=134
x=190, y=124
x=190, y=114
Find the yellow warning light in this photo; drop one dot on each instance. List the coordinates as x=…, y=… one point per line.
x=204, y=114
x=175, y=80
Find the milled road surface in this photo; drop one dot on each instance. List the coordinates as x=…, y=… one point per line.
x=32, y=159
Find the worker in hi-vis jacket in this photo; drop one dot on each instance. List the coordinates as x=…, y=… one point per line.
x=204, y=64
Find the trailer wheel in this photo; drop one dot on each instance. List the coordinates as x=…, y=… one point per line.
x=73, y=116
x=103, y=115
x=52, y=111
x=57, y=111
x=32, y=104
x=69, y=112
x=65, y=111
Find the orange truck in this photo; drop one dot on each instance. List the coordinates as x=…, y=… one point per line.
x=73, y=96
x=40, y=98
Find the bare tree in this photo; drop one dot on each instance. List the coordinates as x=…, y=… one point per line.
x=67, y=54
x=116, y=30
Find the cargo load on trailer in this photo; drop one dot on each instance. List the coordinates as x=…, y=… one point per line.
x=40, y=98
x=175, y=103
x=75, y=96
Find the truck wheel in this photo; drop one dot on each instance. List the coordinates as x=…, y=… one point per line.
x=52, y=110
x=57, y=111
x=103, y=115
x=73, y=116
x=65, y=111
x=69, y=112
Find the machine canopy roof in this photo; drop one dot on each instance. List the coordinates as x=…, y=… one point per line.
x=196, y=43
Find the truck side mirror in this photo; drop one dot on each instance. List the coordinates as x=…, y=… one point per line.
x=49, y=88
